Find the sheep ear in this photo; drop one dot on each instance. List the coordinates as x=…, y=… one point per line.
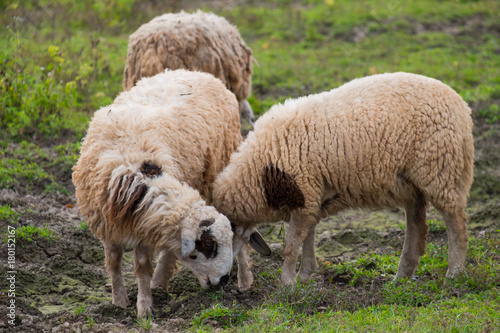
x=258, y=243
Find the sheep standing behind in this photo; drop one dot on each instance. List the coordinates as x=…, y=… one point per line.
x=200, y=41
x=380, y=141
x=142, y=161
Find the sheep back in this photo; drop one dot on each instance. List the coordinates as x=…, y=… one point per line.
x=199, y=41
x=184, y=123
x=372, y=142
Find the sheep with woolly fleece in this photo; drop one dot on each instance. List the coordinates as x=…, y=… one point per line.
x=144, y=162
x=379, y=141
x=199, y=41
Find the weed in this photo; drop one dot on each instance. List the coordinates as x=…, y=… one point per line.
x=144, y=322
x=8, y=214
x=224, y=316
x=84, y=226
x=12, y=169
x=91, y=321
x=56, y=187
x=34, y=103
x=436, y=226
x=80, y=309
x=30, y=233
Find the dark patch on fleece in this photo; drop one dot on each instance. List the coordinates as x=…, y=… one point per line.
x=281, y=189
x=207, y=245
x=150, y=169
x=207, y=223
x=125, y=212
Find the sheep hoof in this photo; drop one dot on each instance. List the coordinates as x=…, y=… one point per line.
x=453, y=273
x=122, y=302
x=288, y=280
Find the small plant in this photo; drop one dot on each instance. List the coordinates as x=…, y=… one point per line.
x=224, y=316
x=56, y=187
x=6, y=213
x=436, y=226
x=145, y=322
x=80, y=309
x=30, y=232
x=91, y=321
x=84, y=226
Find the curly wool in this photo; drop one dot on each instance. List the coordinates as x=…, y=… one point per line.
x=379, y=141
x=199, y=41
x=365, y=140
x=169, y=119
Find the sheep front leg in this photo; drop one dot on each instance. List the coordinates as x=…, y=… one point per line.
x=113, y=257
x=143, y=272
x=309, y=264
x=415, y=238
x=298, y=231
x=245, y=276
x=165, y=268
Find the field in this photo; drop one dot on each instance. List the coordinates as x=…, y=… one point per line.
x=62, y=60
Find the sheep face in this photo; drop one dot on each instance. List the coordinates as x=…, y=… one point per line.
x=206, y=247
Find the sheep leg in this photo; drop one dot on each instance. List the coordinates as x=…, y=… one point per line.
x=165, y=268
x=245, y=276
x=298, y=231
x=309, y=264
x=458, y=241
x=415, y=237
x=113, y=258
x=143, y=271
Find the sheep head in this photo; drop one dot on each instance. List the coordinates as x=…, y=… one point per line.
x=206, y=246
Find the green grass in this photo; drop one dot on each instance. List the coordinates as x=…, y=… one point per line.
x=29, y=233
x=361, y=296
x=473, y=313
x=8, y=214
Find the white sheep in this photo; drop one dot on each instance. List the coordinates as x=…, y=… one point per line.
x=380, y=141
x=144, y=162
x=199, y=41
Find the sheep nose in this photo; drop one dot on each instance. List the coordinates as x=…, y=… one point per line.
x=224, y=280
x=215, y=287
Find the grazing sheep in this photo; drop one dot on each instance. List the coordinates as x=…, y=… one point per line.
x=141, y=164
x=199, y=41
x=380, y=141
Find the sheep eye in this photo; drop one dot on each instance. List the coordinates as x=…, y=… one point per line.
x=193, y=257
x=208, y=244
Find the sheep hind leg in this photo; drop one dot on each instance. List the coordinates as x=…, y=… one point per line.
x=166, y=267
x=113, y=254
x=458, y=241
x=415, y=237
x=245, y=276
x=298, y=231
x=309, y=264
x=143, y=272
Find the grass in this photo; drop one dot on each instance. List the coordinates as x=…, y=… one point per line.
x=8, y=214
x=361, y=296
x=29, y=233
x=145, y=322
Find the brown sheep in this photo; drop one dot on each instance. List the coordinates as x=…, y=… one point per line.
x=200, y=41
